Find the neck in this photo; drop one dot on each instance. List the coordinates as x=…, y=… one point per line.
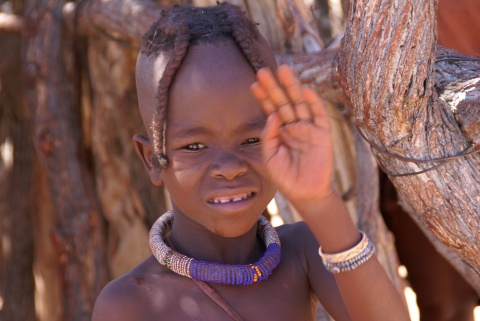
x=192, y=239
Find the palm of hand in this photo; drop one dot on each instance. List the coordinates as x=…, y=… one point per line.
x=297, y=143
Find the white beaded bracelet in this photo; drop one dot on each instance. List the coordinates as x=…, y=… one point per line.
x=350, y=259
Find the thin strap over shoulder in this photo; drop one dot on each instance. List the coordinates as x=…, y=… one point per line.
x=217, y=298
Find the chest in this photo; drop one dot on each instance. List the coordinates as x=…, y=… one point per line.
x=285, y=295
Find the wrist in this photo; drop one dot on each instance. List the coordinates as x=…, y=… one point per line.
x=312, y=206
x=330, y=222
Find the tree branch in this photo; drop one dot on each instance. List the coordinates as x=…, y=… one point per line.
x=386, y=68
x=458, y=84
x=121, y=19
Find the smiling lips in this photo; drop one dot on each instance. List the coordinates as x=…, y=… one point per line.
x=232, y=198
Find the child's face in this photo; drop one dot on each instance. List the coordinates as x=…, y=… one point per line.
x=216, y=172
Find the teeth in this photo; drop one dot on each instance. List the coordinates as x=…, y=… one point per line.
x=236, y=198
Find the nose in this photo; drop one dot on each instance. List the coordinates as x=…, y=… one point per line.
x=227, y=165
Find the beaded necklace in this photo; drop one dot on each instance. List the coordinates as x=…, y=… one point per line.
x=219, y=273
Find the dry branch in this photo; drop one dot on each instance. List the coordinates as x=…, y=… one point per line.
x=117, y=19
x=458, y=84
x=387, y=71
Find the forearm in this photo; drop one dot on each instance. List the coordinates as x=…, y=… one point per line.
x=367, y=291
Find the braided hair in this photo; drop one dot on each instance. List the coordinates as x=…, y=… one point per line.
x=174, y=32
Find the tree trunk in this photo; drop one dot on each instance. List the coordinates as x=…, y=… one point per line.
x=386, y=68
x=17, y=205
x=49, y=67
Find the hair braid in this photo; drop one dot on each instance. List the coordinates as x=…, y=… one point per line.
x=245, y=34
x=159, y=122
x=184, y=26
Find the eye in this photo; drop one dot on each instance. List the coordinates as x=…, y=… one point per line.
x=251, y=141
x=194, y=147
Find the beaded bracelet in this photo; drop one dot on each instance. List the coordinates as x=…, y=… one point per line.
x=350, y=259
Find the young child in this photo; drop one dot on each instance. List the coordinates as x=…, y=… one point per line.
x=223, y=135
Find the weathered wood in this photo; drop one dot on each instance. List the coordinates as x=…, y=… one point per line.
x=315, y=69
x=386, y=69
x=285, y=24
x=458, y=84
x=17, y=182
x=125, y=20
x=50, y=89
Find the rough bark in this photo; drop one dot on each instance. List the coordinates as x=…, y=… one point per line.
x=49, y=67
x=387, y=70
x=17, y=205
x=458, y=84
x=316, y=69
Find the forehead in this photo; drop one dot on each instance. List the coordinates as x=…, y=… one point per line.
x=212, y=91
x=219, y=69
x=202, y=60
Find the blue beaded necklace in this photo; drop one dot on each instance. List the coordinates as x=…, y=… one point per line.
x=219, y=273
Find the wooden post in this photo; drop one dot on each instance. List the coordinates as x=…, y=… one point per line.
x=49, y=70
x=17, y=182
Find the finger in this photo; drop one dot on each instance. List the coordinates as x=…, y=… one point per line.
x=294, y=91
x=263, y=98
x=286, y=114
x=302, y=111
x=317, y=107
x=277, y=96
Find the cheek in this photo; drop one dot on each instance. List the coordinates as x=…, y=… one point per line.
x=253, y=156
x=185, y=169
x=184, y=162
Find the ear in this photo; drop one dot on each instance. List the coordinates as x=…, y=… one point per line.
x=144, y=149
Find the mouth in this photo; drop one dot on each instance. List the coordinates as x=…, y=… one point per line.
x=231, y=198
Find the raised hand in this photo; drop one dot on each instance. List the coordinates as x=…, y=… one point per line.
x=297, y=143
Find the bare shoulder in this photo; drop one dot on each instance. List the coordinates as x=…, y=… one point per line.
x=128, y=297
x=298, y=242
x=297, y=239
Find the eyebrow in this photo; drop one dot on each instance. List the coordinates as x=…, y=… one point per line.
x=257, y=123
x=254, y=124
x=188, y=131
